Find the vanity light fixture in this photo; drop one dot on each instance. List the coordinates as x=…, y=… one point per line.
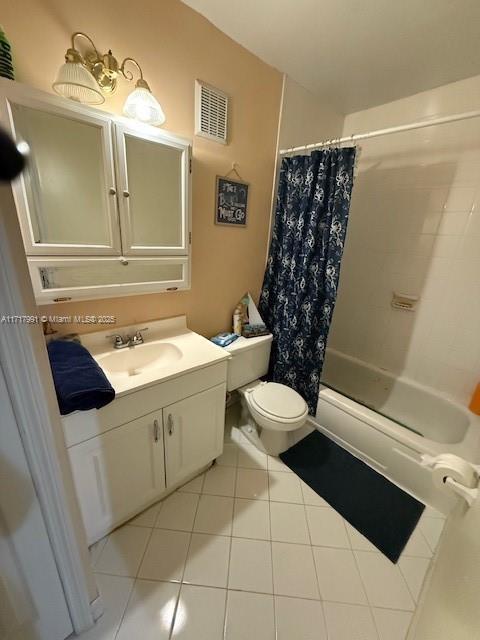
x=87, y=78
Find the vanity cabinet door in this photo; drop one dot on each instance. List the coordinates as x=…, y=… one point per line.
x=66, y=197
x=193, y=433
x=153, y=176
x=119, y=473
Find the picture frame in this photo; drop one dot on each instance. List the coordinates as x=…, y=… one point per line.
x=231, y=202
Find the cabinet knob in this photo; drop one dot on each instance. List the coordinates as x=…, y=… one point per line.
x=126, y=194
x=155, y=430
x=112, y=191
x=170, y=424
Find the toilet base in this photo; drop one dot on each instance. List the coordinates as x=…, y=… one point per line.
x=268, y=441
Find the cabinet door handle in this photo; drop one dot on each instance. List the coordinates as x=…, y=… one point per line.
x=126, y=194
x=170, y=424
x=155, y=430
x=112, y=191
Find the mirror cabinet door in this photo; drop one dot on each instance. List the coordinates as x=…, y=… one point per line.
x=153, y=175
x=66, y=195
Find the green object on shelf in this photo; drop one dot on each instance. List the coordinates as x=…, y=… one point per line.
x=6, y=60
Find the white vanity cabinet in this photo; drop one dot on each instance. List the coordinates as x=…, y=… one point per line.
x=103, y=203
x=193, y=432
x=145, y=444
x=116, y=472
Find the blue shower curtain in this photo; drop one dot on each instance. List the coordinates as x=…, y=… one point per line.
x=301, y=277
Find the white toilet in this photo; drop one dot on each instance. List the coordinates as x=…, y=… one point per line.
x=270, y=411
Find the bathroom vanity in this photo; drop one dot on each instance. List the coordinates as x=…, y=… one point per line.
x=165, y=425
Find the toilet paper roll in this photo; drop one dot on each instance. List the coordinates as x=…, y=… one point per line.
x=450, y=466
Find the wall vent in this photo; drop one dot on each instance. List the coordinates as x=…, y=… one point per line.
x=211, y=112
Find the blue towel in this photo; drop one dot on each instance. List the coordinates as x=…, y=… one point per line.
x=79, y=382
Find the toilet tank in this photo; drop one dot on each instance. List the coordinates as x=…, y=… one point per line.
x=249, y=360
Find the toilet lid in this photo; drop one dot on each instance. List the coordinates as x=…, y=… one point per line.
x=278, y=400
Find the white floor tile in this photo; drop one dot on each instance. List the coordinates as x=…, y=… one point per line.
x=146, y=518
x=392, y=625
x=311, y=497
x=150, y=612
x=122, y=554
x=284, y=487
x=250, y=457
x=288, y=523
x=194, y=486
x=349, y=622
x=358, y=541
x=200, y=614
x=298, y=619
x=207, y=562
x=115, y=592
x=417, y=546
x=433, y=513
x=214, y=515
x=275, y=464
x=178, y=511
x=338, y=576
x=251, y=519
x=229, y=457
x=327, y=528
x=384, y=584
x=252, y=484
x=414, y=571
x=250, y=566
x=249, y=616
x=432, y=530
x=220, y=481
x=294, y=571
x=165, y=555
x=96, y=549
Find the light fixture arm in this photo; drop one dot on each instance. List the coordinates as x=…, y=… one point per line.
x=84, y=35
x=128, y=75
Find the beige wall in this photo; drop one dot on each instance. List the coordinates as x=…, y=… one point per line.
x=174, y=45
x=306, y=118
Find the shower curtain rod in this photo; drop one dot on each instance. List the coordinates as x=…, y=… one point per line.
x=384, y=132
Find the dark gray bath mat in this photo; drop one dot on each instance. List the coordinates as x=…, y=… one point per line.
x=378, y=509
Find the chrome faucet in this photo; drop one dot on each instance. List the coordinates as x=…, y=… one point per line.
x=122, y=342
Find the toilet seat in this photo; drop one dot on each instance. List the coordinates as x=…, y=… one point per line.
x=276, y=406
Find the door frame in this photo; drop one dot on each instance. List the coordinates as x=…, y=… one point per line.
x=29, y=381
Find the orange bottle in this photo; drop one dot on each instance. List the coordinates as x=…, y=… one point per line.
x=475, y=401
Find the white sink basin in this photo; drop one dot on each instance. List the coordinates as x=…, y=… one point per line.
x=133, y=361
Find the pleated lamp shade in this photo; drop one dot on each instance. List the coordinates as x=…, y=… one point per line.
x=143, y=106
x=75, y=81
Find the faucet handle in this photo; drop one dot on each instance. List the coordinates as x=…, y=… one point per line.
x=118, y=341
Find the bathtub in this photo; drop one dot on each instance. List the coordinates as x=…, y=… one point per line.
x=393, y=424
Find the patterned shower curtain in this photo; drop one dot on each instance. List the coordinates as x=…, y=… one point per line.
x=301, y=277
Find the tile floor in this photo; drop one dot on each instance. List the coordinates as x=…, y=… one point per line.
x=247, y=550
